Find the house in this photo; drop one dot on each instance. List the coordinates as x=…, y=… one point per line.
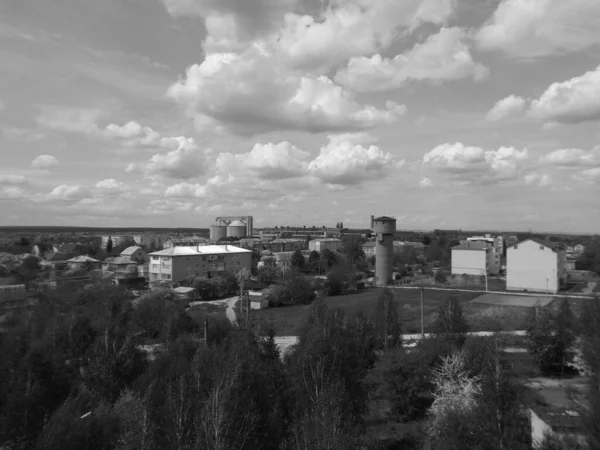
x=184, y=295
x=136, y=254
x=144, y=271
x=474, y=258
x=57, y=260
x=560, y=422
x=283, y=260
x=121, y=266
x=83, y=262
x=318, y=245
x=570, y=264
x=204, y=261
x=535, y=265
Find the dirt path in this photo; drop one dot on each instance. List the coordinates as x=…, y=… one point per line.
x=229, y=303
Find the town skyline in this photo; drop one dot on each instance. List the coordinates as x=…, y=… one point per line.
x=170, y=113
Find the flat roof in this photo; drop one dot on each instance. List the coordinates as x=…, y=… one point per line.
x=200, y=250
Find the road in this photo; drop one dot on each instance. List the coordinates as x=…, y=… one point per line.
x=524, y=294
x=286, y=342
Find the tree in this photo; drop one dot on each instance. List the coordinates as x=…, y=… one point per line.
x=440, y=277
x=297, y=259
x=336, y=279
x=387, y=322
x=109, y=245
x=450, y=323
x=329, y=257
x=243, y=276
x=267, y=274
x=300, y=287
x=313, y=261
x=426, y=240
x=549, y=337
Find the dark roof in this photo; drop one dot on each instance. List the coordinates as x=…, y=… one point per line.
x=384, y=218
x=558, y=418
x=57, y=257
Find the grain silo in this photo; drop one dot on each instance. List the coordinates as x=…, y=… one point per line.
x=217, y=231
x=236, y=229
x=384, y=228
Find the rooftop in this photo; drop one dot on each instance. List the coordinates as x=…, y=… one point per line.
x=558, y=417
x=130, y=250
x=119, y=260
x=384, y=218
x=550, y=245
x=200, y=250
x=82, y=259
x=237, y=223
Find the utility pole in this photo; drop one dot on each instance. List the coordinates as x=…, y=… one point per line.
x=422, y=313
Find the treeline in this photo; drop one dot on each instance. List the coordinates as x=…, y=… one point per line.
x=76, y=375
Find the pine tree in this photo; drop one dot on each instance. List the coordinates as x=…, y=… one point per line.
x=109, y=245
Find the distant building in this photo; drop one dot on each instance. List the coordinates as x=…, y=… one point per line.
x=136, y=254
x=283, y=260
x=117, y=239
x=558, y=422
x=400, y=247
x=120, y=266
x=474, y=258
x=535, y=265
x=144, y=271
x=292, y=232
x=190, y=241
x=570, y=264
x=83, y=262
x=150, y=241
x=511, y=240
x=319, y=245
x=176, y=264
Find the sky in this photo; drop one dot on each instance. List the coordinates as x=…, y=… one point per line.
x=470, y=114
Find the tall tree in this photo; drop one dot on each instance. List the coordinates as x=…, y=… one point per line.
x=109, y=245
x=387, y=322
x=450, y=322
x=297, y=260
x=313, y=261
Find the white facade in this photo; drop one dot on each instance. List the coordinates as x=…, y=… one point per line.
x=532, y=265
x=321, y=244
x=469, y=261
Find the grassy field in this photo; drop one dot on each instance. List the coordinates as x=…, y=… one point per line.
x=288, y=320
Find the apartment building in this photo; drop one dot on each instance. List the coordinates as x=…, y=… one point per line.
x=535, y=265
x=319, y=245
x=176, y=264
x=475, y=258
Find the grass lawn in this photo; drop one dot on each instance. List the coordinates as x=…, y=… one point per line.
x=288, y=320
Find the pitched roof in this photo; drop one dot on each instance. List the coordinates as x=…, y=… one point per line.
x=58, y=256
x=130, y=250
x=558, y=417
x=119, y=260
x=82, y=259
x=550, y=245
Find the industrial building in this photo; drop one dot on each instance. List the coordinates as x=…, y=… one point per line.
x=535, y=265
x=319, y=245
x=189, y=241
x=384, y=228
x=475, y=258
x=295, y=232
x=181, y=263
x=232, y=226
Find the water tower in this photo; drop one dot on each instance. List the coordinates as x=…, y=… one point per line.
x=383, y=228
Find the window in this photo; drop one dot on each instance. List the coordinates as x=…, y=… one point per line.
x=203, y=258
x=168, y=277
x=541, y=247
x=516, y=247
x=155, y=258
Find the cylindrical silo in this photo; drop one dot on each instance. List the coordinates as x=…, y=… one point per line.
x=237, y=229
x=217, y=231
x=384, y=228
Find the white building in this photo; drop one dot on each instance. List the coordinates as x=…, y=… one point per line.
x=204, y=261
x=535, y=265
x=474, y=258
x=319, y=245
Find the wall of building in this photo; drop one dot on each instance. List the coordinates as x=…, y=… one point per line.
x=532, y=267
x=179, y=268
x=320, y=246
x=470, y=262
x=493, y=261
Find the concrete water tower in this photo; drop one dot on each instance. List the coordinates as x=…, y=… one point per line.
x=383, y=227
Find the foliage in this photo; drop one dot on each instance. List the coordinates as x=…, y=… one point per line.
x=426, y=240
x=297, y=260
x=450, y=322
x=215, y=287
x=109, y=245
x=279, y=295
x=590, y=259
x=267, y=274
x=313, y=261
x=549, y=338
x=387, y=322
x=440, y=277
x=336, y=279
x=329, y=258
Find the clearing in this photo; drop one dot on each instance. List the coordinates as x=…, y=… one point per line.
x=511, y=300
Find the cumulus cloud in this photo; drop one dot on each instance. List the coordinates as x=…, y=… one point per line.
x=425, y=182
x=12, y=179
x=228, y=88
x=44, y=161
x=443, y=56
x=506, y=107
x=588, y=175
x=572, y=101
x=537, y=179
x=186, y=162
x=474, y=164
x=345, y=163
x=74, y=120
x=572, y=157
x=534, y=28
x=66, y=192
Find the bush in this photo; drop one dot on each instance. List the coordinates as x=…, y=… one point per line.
x=279, y=295
x=440, y=277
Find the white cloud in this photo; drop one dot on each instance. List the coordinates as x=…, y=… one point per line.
x=588, y=175
x=506, y=107
x=44, y=161
x=534, y=28
x=353, y=28
x=443, y=56
x=474, y=164
x=228, y=88
x=12, y=179
x=186, y=162
x=66, y=192
x=13, y=193
x=572, y=157
x=537, y=179
x=344, y=163
x=20, y=134
x=425, y=182
x=74, y=120
x=572, y=101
